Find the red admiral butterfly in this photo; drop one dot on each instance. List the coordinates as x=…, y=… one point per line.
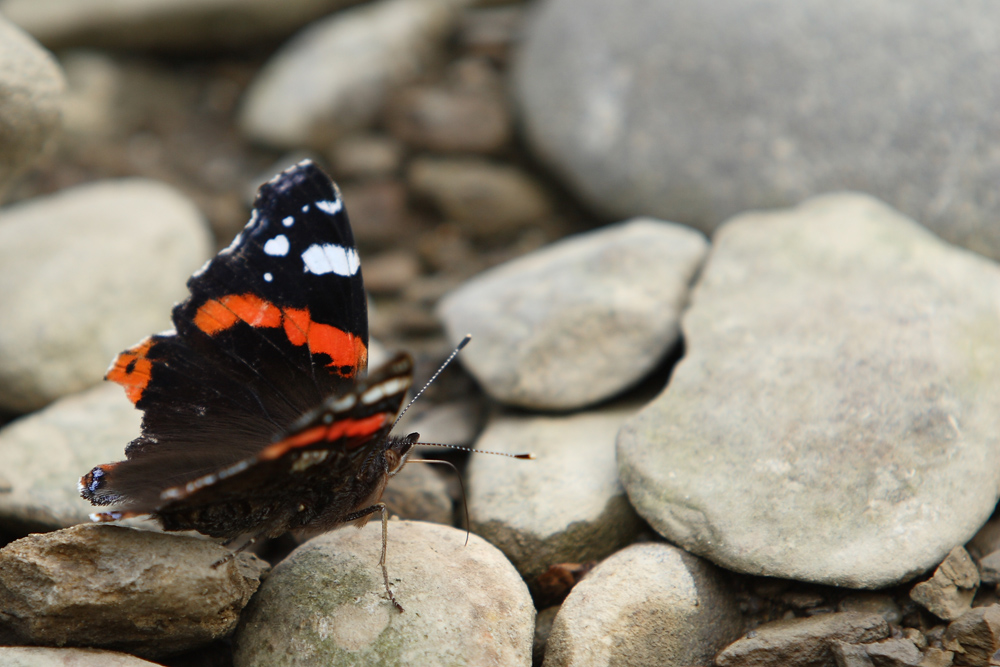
x=233, y=443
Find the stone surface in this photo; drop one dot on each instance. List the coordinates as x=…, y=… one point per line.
x=31, y=97
x=38, y=656
x=144, y=592
x=332, y=78
x=578, y=321
x=325, y=604
x=390, y=272
x=566, y=505
x=850, y=655
x=84, y=274
x=366, y=156
x=649, y=604
x=695, y=111
x=833, y=418
x=163, y=24
x=898, y=652
x=974, y=636
x=487, y=200
x=935, y=657
x=802, y=642
x=467, y=113
x=872, y=603
x=419, y=492
x=989, y=568
x=948, y=594
x=45, y=453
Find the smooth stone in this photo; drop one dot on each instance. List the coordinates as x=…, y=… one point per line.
x=143, y=592
x=333, y=77
x=833, y=418
x=566, y=505
x=802, y=642
x=366, y=156
x=974, y=636
x=31, y=102
x=579, y=321
x=43, y=455
x=390, y=272
x=326, y=605
x=84, y=274
x=490, y=32
x=212, y=25
x=43, y=656
x=694, y=112
x=649, y=604
x=420, y=493
x=949, y=593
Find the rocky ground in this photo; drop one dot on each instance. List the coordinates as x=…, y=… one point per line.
x=763, y=408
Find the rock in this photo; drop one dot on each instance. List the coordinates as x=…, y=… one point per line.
x=986, y=540
x=948, y=594
x=989, y=568
x=138, y=591
x=485, y=200
x=491, y=31
x=802, y=642
x=366, y=156
x=467, y=114
x=378, y=212
x=332, y=78
x=390, y=272
x=163, y=25
x=84, y=274
x=45, y=453
x=566, y=505
x=31, y=98
x=455, y=423
x=543, y=627
x=649, y=604
x=872, y=603
x=850, y=655
x=95, y=86
x=325, y=604
x=38, y=656
x=935, y=657
x=894, y=653
x=418, y=492
x=579, y=321
x=974, y=636
x=694, y=111
x=802, y=321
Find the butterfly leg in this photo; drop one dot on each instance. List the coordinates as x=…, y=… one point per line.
x=234, y=552
x=360, y=514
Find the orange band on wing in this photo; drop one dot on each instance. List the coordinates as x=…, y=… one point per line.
x=344, y=349
x=132, y=370
x=343, y=428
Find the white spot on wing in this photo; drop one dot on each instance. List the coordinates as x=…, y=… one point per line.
x=387, y=388
x=330, y=207
x=278, y=246
x=309, y=458
x=305, y=209
x=344, y=403
x=288, y=221
x=268, y=277
x=331, y=258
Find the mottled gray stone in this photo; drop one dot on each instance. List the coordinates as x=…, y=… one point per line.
x=649, y=604
x=84, y=274
x=803, y=642
x=31, y=98
x=834, y=419
x=695, y=111
x=580, y=320
x=42, y=456
x=139, y=591
x=332, y=78
x=163, y=24
x=567, y=504
x=326, y=605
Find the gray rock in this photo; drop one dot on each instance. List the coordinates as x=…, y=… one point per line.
x=897, y=652
x=989, y=568
x=43, y=455
x=695, y=111
x=39, y=656
x=802, y=642
x=833, y=419
x=325, y=604
x=486, y=200
x=578, y=321
x=163, y=24
x=31, y=97
x=649, y=604
x=139, y=591
x=948, y=594
x=567, y=505
x=332, y=78
x=850, y=655
x=366, y=156
x=84, y=274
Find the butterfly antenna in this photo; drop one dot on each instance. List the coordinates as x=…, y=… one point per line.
x=451, y=357
x=472, y=450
